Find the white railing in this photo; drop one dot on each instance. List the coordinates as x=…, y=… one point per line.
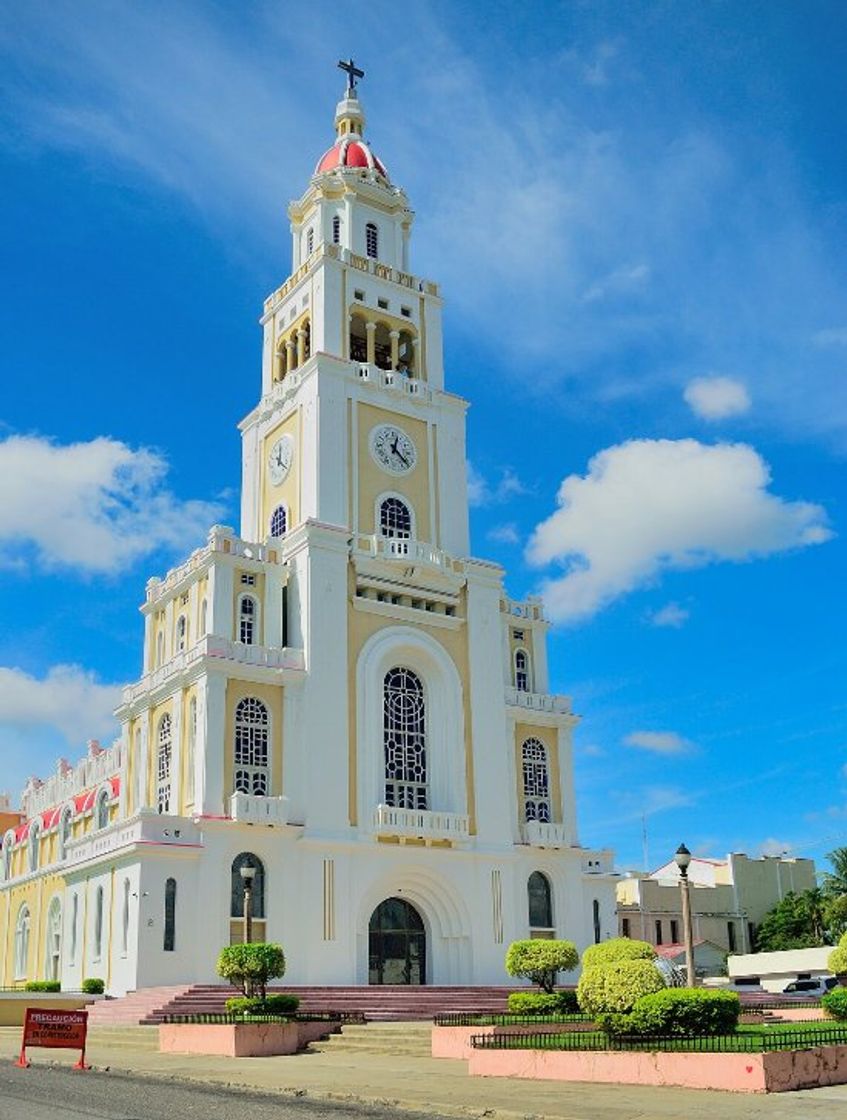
x=97, y=767
x=538, y=701
x=423, y=824
x=394, y=379
x=249, y=808
x=531, y=608
x=222, y=538
x=147, y=828
x=403, y=548
x=543, y=834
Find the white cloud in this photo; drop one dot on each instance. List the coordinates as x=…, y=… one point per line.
x=483, y=493
x=504, y=534
x=68, y=699
x=716, y=398
x=621, y=281
x=832, y=336
x=651, y=505
x=95, y=507
x=774, y=847
x=671, y=614
x=659, y=742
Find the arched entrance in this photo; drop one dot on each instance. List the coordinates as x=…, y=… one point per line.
x=396, y=944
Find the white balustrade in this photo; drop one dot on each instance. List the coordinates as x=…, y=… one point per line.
x=543, y=834
x=394, y=379
x=97, y=767
x=423, y=824
x=146, y=828
x=538, y=701
x=249, y=808
x=403, y=548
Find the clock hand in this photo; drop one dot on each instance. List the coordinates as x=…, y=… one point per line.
x=401, y=456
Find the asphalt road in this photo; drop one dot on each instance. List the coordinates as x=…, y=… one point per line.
x=46, y=1093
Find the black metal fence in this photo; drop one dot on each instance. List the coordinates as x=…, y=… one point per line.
x=457, y=1019
x=745, y=1043
x=227, y=1017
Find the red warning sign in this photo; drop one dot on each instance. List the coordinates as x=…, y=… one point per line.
x=64, y=1029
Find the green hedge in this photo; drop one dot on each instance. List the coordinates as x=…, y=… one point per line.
x=543, y=1003
x=685, y=1011
x=93, y=986
x=617, y=949
x=271, y=1005
x=42, y=986
x=834, y=1003
x=615, y=988
x=540, y=960
x=837, y=960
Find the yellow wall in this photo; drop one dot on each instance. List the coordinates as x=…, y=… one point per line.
x=374, y=481
x=288, y=492
x=36, y=893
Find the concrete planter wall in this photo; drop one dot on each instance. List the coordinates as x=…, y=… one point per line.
x=240, y=1040
x=739, y=1073
x=13, y=1005
x=455, y=1042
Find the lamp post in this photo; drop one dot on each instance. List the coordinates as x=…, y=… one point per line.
x=683, y=858
x=247, y=874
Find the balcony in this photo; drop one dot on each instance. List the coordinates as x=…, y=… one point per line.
x=249, y=808
x=539, y=701
x=406, y=549
x=420, y=824
x=147, y=828
x=394, y=379
x=543, y=834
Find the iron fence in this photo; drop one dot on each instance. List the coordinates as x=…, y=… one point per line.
x=228, y=1017
x=745, y=1043
x=457, y=1019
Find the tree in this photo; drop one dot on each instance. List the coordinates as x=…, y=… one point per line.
x=251, y=966
x=796, y=922
x=539, y=960
x=834, y=883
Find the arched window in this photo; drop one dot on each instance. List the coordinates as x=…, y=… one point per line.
x=358, y=339
x=102, y=811
x=181, y=633
x=204, y=612
x=307, y=340
x=522, y=671
x=247, y=620
x=540, y=904
x=536, y=784
x=336, y=230
x=257, y=898
x=53, y=941
x=34, y=846
x=65, y=831
x=372, y=240
x=310, y=242
x=252, y=735
x=395, y=518
x=404, y=739
x=595, y=908
x=191, y=751
x=74, y=924
x=98, y=924
x=163, y=765
x=279, y=522
x=124, y=919
x=169, y=942
x=22, y=927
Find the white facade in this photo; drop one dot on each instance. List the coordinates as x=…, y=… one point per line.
x=353, y=701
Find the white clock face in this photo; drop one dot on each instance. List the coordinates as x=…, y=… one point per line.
x=279, y=460
x=393, y=449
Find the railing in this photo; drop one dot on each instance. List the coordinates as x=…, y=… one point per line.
x=250, y=808
x=404, y=548
x=543, y=834
x=394, y=379
x=464, y=1019
x=425, y=824
x=148, y=828
x=222, y=538
x=90, y=771
x=745, y=1043
x=538, y=701
x=531, y=608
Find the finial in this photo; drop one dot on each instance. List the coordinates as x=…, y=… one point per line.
x=353, y=73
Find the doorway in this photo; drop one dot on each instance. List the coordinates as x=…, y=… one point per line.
x=396, y=944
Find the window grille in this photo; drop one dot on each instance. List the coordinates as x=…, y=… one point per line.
x=247, y=620
x=181, y=632
x=536, y=786
x=540, y=902
x=279, y=522
x=521, y=671
x=310, y=242
x=595, y=907
x=395, y=518
x=252, y=734
x=248, y=579
x=336, y=230
x=169, y=941
x=98, y=925
x=372, y=240
x=404, y=739
x=163, y=766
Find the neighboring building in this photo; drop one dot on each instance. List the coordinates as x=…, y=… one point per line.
x=729, y=899
x=774, y=970
x=9, y=817
x=341, y=698
x=709, y=959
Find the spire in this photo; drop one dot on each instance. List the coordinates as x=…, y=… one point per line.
x=349, y=116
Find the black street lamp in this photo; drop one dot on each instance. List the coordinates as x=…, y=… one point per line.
x=683, y=859
x=247, y=875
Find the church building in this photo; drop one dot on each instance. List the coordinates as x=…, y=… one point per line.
x=340, y=709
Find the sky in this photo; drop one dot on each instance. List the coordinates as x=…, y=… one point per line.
x=638, y=215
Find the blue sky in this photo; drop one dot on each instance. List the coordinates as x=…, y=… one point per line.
x=638, y=216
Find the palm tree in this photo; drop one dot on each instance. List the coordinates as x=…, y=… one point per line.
x=834, y=883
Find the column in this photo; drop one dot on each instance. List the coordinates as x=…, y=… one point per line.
x=220, y=599
x=210, y=797
x=143, y=777
x=415, y=367
x=371, y=329
x=395, y=348
x=176, y=754
x=290, y=355
x=301, y=346
x=278, y=372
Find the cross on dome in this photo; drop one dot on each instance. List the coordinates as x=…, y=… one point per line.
x=352, y=74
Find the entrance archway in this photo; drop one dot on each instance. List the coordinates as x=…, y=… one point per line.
x=396, y=944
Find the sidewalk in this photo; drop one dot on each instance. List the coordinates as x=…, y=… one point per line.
x=424, y=1084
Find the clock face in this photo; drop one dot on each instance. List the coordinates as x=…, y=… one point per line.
x=279, y=460
x=393, y=449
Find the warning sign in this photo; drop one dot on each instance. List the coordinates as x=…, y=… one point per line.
x=64, y=1029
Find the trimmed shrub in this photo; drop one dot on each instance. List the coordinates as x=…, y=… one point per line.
x=834, y=1003
x=540, y=960
x=685, y=1011
x=93, y=986
x=616, y=987
x=617, y=949
x=543, y=1003
x=251, y=966
x=271, y=1005
x=837, y=960
x=42, y=986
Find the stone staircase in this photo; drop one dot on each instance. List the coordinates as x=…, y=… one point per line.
x=133, y=1008
x=399, y=1039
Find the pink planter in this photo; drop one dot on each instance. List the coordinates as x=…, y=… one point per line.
x=738, y=1073
x=240, y=1040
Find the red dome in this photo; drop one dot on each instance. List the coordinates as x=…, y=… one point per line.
x=349, y=152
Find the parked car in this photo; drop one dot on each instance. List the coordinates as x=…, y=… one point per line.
x=815, y=986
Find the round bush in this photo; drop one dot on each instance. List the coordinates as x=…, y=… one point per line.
x=93, y=986
x=837, y=960
x=834, y=1003
x=540, y=960
x=251, y=966
x=617, y=949
x=616, y=987
x=685, y=1011
x=542, y=1003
